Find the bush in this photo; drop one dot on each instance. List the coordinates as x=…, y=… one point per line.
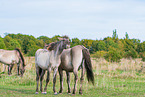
x=99, y=54
x=113, y=55
x=142, y=55
x=131, y=53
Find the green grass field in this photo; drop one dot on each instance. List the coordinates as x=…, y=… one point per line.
x=111, y=79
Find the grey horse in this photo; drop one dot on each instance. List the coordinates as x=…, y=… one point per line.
x=73, y=59
x=11, y=57
x=49, y=60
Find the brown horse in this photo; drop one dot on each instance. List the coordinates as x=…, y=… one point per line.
x=73, y=59
x=47, y=60
x=11, y=57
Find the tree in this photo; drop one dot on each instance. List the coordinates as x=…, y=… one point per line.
x=45, y=39
x=114, y=36
x=94, y=46
x=74, y=42
x=110, y=43
x=7, y=39
x=101, y=45
x=32, y=50
x=13, y=44
x=2, y=44
x=126, y=36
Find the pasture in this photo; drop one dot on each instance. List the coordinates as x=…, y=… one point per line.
x=111, y=79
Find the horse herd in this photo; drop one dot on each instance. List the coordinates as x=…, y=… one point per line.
x=56, y=56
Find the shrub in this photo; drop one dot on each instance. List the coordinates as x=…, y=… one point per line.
x=131, y=53
x=142, y=55
x=99, y=54
x=113, y=55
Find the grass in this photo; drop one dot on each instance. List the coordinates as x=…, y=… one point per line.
x=111, y=79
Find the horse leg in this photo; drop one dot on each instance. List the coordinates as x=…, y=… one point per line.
x=37, y=78
x=10, y=68
x=82, y=79
x=18, y=69
x=76, y=80
x=54, y=80
x=61, y=80
x=4, y=68
x=41, y=79
x=68, y=82
x=47, y=80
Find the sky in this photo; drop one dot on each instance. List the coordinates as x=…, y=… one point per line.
x=83, y=19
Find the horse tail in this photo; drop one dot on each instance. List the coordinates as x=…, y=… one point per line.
x=88, y=65
x=21, y=55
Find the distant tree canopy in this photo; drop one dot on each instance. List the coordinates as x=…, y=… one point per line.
x=111, y=48
x=2, y=44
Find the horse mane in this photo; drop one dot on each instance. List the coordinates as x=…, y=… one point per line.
x=21, y=55
x=53, y=45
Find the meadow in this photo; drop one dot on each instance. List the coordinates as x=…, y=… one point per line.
x=123, y=79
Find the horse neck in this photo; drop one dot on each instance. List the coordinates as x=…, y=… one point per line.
x=58, y=50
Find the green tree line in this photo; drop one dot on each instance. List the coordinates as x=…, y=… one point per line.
x=111, y=48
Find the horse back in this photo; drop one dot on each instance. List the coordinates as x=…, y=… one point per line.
x=9, y=56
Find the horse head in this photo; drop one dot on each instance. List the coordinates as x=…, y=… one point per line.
x=66, y=42
x=53, y=45
x=22, y=71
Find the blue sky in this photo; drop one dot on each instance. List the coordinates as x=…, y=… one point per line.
x=84, y=19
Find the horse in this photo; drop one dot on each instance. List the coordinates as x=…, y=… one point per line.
x=47, y=60
x=72, y=60
x=11, y=57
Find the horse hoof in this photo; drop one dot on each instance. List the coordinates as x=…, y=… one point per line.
x=36, y=93
x=44, y=93
x=55, y=93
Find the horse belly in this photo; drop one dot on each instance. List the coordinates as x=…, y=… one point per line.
x=43, y=64
x=69, y=67
x=9, y=60
x=66, y=65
